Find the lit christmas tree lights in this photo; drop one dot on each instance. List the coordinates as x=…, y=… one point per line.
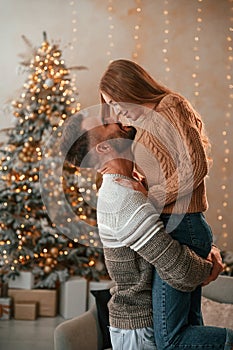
x=29, y=240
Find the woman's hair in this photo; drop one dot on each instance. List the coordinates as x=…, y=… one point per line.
x=126, y=81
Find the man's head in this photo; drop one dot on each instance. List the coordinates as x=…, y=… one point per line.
x=90, y=148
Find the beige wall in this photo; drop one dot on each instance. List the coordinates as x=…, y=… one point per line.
x=168, y=46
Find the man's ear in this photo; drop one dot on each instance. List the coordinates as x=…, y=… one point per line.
x=103, y=147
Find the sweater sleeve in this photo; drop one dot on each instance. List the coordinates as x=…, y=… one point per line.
x=191, y=163
x=176, y=264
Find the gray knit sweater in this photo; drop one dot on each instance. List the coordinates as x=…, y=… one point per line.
x=134, y=241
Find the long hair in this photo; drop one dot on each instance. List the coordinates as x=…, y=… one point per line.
x=129, y=82
x=126, y=81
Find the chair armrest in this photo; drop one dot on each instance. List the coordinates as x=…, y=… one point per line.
x=79, y=333
x=220, y=290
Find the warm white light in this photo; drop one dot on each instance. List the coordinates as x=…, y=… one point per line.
x=110, y=34
x=226, y=138
x=166, y=31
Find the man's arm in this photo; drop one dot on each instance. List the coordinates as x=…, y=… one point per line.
x=143, y=232
x=214, y=256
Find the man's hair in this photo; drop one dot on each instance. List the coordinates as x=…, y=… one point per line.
x=74, y=143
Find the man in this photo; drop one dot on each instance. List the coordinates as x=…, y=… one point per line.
x=133, y=237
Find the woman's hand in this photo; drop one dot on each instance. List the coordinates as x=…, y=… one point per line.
x=135, y=185
x=218, y=266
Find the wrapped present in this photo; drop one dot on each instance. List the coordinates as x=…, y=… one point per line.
x=25, y=280
x=72, y=297
x=25, y=310
x=47, y=299
x=5, y=308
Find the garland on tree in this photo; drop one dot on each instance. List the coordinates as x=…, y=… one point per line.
x=29, y=239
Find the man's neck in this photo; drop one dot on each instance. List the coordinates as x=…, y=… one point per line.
x=118, y=166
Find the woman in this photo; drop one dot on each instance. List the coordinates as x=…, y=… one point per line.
x=172, y=149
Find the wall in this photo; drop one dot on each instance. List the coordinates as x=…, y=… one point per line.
x=184, y=44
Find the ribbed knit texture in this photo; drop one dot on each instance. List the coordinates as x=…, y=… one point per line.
x=134, y=239
x=172, y=156
x=131, y=304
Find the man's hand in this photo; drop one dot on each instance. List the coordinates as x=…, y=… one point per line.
x=135, y=185
x=218, y=266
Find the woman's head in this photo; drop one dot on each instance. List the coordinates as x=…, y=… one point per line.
x=125, y=82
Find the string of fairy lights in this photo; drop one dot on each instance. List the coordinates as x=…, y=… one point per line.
x=166, y=32
x=110, y=33
x=137, y=31
x=225, y=182
x=73, y=43
x=196, y=50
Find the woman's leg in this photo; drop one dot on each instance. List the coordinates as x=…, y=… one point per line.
x=171, y=322
x=195, y=313
x=193, y=230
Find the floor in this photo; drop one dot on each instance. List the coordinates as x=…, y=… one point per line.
x=28, y=335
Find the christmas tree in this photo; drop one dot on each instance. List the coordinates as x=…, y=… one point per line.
x=29, y=238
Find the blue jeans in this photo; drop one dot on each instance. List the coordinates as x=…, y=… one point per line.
x=177, y=317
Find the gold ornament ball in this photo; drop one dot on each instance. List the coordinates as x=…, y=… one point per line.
x=47, y=269
x=48, y=261
x=54, y=252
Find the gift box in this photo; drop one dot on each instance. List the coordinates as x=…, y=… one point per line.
x=72, y=297
x=47, y=299
x=25, y=310
x=24, y=281
x=5, y=308
x=97, y=285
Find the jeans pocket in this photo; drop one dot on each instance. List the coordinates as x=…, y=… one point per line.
x=148, y=339
x=117, y=338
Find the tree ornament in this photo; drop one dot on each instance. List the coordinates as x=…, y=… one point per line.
x=48, y=261
x=54, y=252
x=48, y=83
x=47, y=269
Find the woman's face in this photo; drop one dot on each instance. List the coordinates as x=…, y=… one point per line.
x=124, y=109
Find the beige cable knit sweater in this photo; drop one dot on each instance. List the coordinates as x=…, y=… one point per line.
x=169, y=150
x=134, y=241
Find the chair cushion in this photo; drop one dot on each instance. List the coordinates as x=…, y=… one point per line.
x=217, y=314
x=102, y=297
